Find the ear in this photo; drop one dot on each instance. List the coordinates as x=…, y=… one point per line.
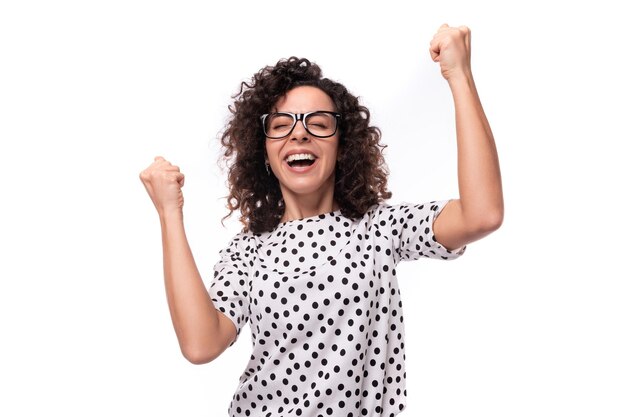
x=339, y=153
x=267, y=160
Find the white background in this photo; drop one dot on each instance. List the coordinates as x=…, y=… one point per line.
x=529, y=322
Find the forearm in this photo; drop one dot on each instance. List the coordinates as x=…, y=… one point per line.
x=194, y=316
x=480, y=184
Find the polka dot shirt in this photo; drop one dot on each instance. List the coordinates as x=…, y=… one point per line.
x=322, y=299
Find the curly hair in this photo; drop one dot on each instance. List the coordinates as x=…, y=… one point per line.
x=360, y=172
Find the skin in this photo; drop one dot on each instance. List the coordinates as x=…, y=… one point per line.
x=310, y=193
x=480, y=208
x=204, y=332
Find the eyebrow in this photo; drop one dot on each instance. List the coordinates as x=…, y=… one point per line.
x=292, y=112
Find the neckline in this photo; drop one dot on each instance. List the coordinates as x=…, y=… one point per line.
x=304, y=219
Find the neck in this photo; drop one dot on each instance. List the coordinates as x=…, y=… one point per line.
x=299, y=206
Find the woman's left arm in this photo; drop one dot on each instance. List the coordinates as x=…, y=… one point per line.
x=480, y=208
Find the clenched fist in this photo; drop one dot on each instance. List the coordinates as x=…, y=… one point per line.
x=163, y=181
x=451, y=48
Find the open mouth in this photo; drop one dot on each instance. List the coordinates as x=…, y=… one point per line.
x=302, y=160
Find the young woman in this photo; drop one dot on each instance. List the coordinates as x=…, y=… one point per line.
x=313, y=268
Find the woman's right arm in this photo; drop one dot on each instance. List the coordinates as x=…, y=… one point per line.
x=203, y=332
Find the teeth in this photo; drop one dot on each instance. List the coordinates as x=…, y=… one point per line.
x=300, y=156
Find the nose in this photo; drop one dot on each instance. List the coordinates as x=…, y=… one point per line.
x=299, y=131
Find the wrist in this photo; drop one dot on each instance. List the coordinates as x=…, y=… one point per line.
x=460, y=78
x=170, y=215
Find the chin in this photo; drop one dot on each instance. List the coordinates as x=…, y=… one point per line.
x=304, y=186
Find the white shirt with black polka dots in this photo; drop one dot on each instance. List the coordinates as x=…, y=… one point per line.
x=322, y=299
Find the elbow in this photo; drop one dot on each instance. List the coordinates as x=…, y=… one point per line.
x=198, y=356
x=494, y=222
x=485, y=223
x=206, y=348
x=491, y=222
x=482, y=219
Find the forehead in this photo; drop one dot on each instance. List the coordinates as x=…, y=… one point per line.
x=304, y=99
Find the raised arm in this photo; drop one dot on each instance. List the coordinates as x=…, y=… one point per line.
x=203, y=332
x=480, y=208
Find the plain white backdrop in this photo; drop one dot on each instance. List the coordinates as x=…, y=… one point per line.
x=529, y=322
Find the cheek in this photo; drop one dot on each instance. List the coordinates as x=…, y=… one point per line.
x=334, y=152
x=271, y=153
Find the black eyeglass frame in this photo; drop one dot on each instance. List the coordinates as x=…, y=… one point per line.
x=300, y=116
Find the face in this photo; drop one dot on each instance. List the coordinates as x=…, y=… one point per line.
x=319, y=178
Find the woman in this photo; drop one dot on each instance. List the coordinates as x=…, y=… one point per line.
x=313, y=269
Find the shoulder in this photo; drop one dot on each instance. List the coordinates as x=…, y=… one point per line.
x=240, y=242
x=400, y=212
x=237, y=254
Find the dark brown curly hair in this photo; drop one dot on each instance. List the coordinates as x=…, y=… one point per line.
x=360, y=173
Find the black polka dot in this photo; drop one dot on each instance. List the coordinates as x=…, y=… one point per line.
x=324, y=308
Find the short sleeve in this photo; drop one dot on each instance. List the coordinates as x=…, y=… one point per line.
x=229, y=287
x=410, y=228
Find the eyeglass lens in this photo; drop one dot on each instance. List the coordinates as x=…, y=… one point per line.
x=318, y=124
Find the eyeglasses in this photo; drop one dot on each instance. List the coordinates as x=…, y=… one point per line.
x=321, y=124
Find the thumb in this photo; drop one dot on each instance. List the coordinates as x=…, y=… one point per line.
x=434, y=55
